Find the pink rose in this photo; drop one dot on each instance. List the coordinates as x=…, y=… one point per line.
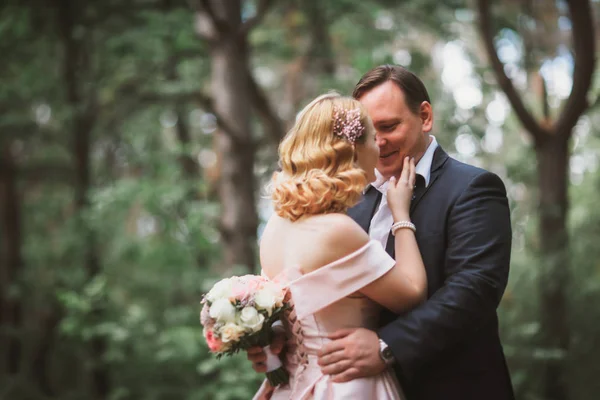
x=244, y=287
x=255, y=284
x=239, y=291
x=214, y=343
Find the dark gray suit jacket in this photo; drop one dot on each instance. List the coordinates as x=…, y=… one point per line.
x=448, y=347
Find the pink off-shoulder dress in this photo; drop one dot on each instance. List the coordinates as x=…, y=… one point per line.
x=324, y=301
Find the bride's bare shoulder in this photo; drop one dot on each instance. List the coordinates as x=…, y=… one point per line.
x=313, y=241
x=333, y=229
x=342, y=235
x=340, y=222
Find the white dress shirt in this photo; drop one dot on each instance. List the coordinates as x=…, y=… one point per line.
x=382, y=220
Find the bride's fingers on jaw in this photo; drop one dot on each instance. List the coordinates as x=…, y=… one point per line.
x=405, y=169
x=392, y=182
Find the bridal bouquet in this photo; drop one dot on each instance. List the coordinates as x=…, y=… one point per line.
x=238, y=313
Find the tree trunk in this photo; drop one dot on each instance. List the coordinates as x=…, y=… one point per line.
x=81, y=135
x=552, y=167
x=11, y=263
x=75, y=65
x=552, y=151
x=49, y=319
x=189, y=167
x=320, y=52
x=231, y=91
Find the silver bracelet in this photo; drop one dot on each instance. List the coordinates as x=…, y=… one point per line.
x=403, y=225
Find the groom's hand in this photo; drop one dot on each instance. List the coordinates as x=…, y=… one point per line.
x=352, y=353
x=257, y=355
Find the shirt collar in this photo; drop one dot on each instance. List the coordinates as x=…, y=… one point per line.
x=379, y=180
x=422, y=168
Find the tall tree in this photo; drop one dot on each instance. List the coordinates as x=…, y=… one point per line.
x=81, y=99
x=551, y=137
x=11, y=262
x=234, y=91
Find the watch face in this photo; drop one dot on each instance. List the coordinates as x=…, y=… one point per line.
x=387, y=354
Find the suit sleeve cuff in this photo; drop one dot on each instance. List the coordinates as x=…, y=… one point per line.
x=387, y=335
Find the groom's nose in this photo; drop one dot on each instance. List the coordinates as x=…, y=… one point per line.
x=380, y=141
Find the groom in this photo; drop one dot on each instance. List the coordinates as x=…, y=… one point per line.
x=448, y=347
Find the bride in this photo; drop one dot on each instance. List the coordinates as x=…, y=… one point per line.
x=337, y=277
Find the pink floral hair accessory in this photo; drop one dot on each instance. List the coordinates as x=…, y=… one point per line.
x=346, y=123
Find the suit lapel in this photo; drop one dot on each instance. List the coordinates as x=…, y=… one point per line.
x=363, y=212
x=439, y=159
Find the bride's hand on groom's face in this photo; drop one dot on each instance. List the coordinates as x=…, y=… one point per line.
x=352, y=353
x=257, y=355
x=400, y=191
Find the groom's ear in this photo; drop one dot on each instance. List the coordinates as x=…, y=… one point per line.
x=426, y=115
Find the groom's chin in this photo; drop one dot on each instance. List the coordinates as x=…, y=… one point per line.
x=385, y=171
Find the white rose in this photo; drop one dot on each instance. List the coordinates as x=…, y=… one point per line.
x=222, y=310
x=251, y=319
x=279, y=295
x=221, y=290
x=276, y=288
x=230, y=332
x=265, y=299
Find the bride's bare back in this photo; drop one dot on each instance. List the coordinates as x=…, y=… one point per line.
x=309, y=243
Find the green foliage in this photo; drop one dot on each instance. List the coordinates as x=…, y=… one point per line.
x=154, y=225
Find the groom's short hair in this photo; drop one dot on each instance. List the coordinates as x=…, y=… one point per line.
x=413, y=88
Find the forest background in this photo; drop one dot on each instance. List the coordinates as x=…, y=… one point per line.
x=136, y=139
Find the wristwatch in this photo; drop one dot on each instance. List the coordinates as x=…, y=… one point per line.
x=385, y=353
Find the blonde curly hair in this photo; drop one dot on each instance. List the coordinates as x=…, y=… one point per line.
x=318, y=170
